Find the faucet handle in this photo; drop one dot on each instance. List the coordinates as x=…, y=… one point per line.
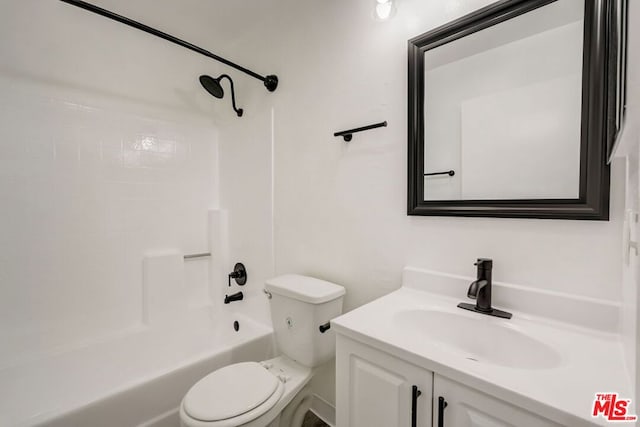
x=239, y=273
x=485, y=263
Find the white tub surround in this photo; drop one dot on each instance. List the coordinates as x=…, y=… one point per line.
x=93, y=186
x=576, y=349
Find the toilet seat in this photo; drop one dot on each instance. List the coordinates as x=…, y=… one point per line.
x=233, y=395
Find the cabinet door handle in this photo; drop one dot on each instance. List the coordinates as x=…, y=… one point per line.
x=415, y=393
x=441, y=405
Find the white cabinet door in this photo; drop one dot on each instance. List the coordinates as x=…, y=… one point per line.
x=375, y=389
x=467, y=407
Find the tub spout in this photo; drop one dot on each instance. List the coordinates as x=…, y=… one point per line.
x=234, y=297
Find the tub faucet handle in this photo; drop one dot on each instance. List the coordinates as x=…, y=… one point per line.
x=239, y=274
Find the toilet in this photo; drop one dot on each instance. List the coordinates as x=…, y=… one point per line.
x=274, y=392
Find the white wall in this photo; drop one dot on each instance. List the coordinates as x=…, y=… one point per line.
x=340, y=209
x=522, y=143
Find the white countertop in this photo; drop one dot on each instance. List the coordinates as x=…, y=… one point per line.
x=592, y=361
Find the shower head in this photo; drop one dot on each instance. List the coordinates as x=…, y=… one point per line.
x=214, y=87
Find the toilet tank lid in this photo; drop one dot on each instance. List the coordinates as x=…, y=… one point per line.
x=304, y=288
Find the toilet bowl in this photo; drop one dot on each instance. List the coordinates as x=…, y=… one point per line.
x=244, y=394
x=274, y=392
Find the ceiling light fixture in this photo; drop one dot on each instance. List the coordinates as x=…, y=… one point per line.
x=384, y=9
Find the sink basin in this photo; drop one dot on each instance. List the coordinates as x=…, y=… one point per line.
x=479, y=338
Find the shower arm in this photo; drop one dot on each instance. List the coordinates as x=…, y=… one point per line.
x=233, y=95
x=270, y=81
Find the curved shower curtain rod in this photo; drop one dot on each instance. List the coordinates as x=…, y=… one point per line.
x=270, y=81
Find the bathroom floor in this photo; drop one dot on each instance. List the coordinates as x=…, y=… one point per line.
x=311, y=420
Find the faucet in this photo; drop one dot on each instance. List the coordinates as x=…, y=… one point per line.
x=480, y=290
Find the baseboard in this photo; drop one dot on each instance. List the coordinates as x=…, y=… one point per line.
x=324, y=410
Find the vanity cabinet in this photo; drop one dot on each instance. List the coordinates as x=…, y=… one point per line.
x=377, y=389
x=467, y=407
x=374, y=388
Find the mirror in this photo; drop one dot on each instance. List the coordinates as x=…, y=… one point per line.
x=508, y=112
x=505, y=102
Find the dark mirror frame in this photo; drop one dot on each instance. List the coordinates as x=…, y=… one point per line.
x=599, y=101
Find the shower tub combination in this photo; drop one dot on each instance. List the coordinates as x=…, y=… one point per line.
x=137, y=379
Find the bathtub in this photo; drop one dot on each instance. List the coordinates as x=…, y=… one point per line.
x=135, y=379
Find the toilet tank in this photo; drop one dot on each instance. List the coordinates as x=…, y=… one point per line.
x=299, y=305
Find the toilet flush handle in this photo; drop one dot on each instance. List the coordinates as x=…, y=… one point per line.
x=324, y=328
